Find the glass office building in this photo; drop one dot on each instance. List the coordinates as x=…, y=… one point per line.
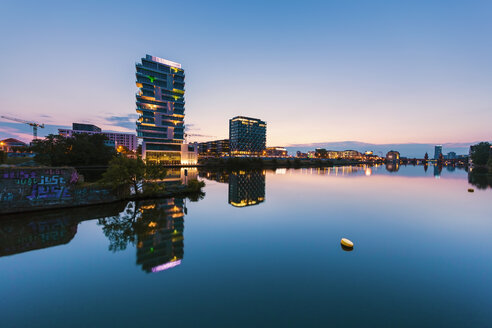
x=160, y=103
x=437, y=151
x=247, y=136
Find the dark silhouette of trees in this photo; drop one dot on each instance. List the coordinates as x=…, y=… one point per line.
x=80, y=150
x=480, y=153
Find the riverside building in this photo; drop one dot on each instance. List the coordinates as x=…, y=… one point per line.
x=115, y=139
x=160, y=103
x=437, y=151
x=247, y=136
x=215, y=148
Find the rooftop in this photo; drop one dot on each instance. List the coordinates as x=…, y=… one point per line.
x=163, y=61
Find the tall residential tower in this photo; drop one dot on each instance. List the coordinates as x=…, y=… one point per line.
x=160, y=103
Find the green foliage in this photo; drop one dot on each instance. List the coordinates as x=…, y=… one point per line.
x=154, y=171
x=195, y=185
x=3, y=157
x=80, y=150
x=480, y=153
x=154, y=189
x=124, y=171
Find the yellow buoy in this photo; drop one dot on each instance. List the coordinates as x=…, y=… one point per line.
x=471, y=190
x=347, y=243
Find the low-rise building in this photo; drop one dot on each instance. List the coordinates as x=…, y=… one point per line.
x=300, y=154
x=115, y=139
x=393, y=156
x=275, y=152
x=189, y=154
x=215, y=148
x=10, y=144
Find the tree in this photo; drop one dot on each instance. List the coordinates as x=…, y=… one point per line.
x=124, y=171
x=480, y=153
x=80, y=150
x=426, y=157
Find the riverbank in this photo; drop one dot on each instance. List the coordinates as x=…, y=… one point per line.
x=40, y=188
x=257, y=162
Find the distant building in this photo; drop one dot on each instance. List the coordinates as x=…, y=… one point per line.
x=247, y=136
x=275, y=152
x=335, y=154
x=115, y=139
x=437, y=151
x=160, y=103
x=85, y=127
x=393, y=156
x=451, y=155
x=300, y=154
x=8, y=145
x=215, y=148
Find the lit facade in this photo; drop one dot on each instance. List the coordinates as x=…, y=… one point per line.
x=335, y=154
x=160, y=103
x=9, y=144
x=189, y=154
x=215, y=148
x=115, y=139
x=247, y=136
x=275, y=152
x=393, y=156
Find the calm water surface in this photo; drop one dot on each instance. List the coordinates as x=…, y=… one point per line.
x=261, y=249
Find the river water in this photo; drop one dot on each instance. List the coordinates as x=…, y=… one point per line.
x=261, y=249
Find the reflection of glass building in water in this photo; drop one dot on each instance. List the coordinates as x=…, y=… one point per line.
x=437, y=171
x=246, y=188
x=392, y=166
x=160, y=234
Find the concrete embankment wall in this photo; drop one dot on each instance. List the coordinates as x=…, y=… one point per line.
x=27, y=189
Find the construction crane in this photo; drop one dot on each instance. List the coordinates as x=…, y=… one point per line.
x=33, y=124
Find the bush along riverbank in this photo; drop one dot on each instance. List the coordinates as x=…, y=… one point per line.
x=38, y=188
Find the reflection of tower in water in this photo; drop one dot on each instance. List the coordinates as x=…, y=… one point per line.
x=392, y=166
x=246, y=188
x=160, y=235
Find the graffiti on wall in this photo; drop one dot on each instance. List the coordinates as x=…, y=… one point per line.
x=44, y=184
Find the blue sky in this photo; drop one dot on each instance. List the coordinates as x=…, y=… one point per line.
x=316, y=71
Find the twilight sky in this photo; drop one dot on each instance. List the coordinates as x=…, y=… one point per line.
x=316, y=71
